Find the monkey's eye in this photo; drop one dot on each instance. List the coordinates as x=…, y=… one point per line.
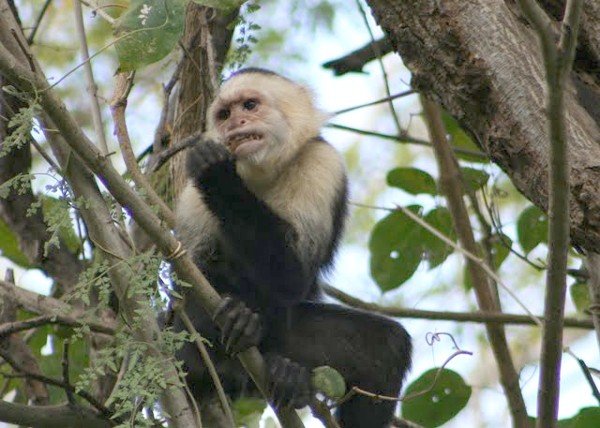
x=223, y=114
x=250, y=104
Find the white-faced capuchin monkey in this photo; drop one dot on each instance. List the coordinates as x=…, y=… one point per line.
x=262, y=216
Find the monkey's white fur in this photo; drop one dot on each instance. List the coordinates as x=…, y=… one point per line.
x=297, y=177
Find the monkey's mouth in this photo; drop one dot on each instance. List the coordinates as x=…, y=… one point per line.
x=244, y=144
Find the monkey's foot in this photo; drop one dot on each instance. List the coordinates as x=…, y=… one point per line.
x=240, y=327
x=289, y=383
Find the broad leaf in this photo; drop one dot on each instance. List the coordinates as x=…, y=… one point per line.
x=581, y=296
x=329, y=382
x=248, y=411
x=394, y=255
x=9, y=246
x=448, y=396
x=532, y=228
x=148, y=31
x=458, y=138
x=435, y=250
x=474, y=179
x=412, y=180
x=588, y=417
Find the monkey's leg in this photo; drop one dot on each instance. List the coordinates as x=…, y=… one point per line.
x=370, y=351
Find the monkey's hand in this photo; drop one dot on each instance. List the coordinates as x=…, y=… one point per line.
x=207, y=162
x=289, y=383
x=240, y=327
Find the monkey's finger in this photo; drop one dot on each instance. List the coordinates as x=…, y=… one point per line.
x=303, y=390
x=228, y=322
x=224, y=308
x=251, y=336
x=281, y=391
x=237, y=330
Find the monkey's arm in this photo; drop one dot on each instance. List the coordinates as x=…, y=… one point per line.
x=251, y=231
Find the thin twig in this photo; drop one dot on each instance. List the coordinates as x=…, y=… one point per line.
x=56, y=382
x=65, y=372
x=477, y=317
x=497, y=224
x=386, y=81
x=586, y=373
x=100, y=11
x=487, y=241
x=402, y=138
x=38, y=21
x=118, y=104
x=356, y=390
x=92, y=88
x=557, y=63
x=169, y=152
x=17, y=326
x=379, y=101
x=592, y=264
x=209, y=365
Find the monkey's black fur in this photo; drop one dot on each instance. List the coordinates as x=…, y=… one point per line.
x=273, y=304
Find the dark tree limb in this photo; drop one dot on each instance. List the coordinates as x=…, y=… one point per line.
x=30, y=229
x=356, y=60
x=64, y=415
x=14, y=346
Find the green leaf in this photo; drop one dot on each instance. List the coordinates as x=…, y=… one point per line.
x=458, y=138
x=474, y=179
x=56, y=213
x=328, y=381
x=412, y=180
x=580, y=296
x=448, y=396
x=398, y=245
x=532, y=228
x=588, y=417
x=248, y=411
x=501, y=246
x=148, y=31
x=500, y=250
x=9, y=246
x=394, y=255
x=435, y=250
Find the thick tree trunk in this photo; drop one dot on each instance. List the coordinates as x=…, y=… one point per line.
x=482, y=62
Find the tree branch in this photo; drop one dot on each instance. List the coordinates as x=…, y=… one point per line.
x=593, y=267
x=558, y=61
x=477, y=317
x=452, y=187
x=356, y=60
x=51, y=308
x=64, y=415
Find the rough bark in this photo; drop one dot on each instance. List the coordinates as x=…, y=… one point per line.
x=482, y=62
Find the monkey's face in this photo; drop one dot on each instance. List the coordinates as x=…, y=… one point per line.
x=248, y=123
x=263, y=119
